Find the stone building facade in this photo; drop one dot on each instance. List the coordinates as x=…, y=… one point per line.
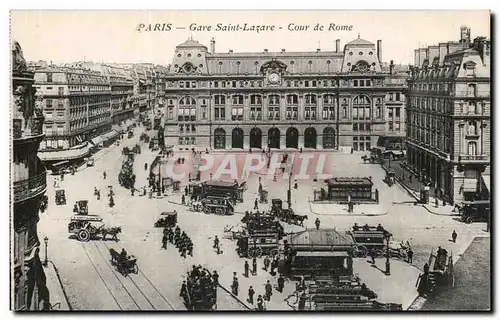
x=448, y=117
x=29, y=291
x=310, y=100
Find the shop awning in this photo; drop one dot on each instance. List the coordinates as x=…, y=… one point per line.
x=110, y=135
x=487, y=181
x=67, y=154
x=97, y=140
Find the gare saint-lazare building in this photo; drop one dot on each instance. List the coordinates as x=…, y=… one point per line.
x=283, y=100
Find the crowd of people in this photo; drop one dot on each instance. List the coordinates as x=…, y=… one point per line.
x=180, y=239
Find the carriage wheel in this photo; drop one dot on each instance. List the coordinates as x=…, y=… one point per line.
x=83, y=235
x=360, y=251
x=255, y=252
x=273, y=253
x=136, y=269
x=469, y=220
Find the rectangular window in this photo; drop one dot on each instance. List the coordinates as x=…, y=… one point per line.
x=193, y=84
x=391, y=126
x=237, y=100
x=234, y=84
x=61, y=91
x=355, y=113
x=181, y=84
x=188, y=84
x=310, y=113
x=314, y=83
x=289, y=83
x=398, y=96
x=48, y=103
x=170, y=113
x=344, y=112
x=223, y=84
x=368, y=83
x=216, y=84
x=49, y=77
x=237, y=114
x=306, y=83
x=204, y=113
x=256, y=113
x=328, y=113
x=274, y=113
x=291, y=113
x=355, y=127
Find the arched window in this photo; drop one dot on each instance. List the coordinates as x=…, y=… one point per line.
x=361, y=108
x=187, y=109
x=472, y=148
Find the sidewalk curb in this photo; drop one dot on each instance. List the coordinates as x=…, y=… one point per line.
x=235, y=297
x=412, y=193
x=70, y=307
x=345, y=215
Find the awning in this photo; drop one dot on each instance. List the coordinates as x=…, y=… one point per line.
x=110, y=135
x=487, y=181
x=97, y=140
x=322, y=254
x=67, y=154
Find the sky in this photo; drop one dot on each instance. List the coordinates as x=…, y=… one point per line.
x=113, y=36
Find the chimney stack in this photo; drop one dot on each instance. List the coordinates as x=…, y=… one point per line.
x=379, y=50
x=282, y=50
x=230, y=51
x=318, y=50
x=391, y=67
x=212, y=46
x=265, y=50
x=337, y=45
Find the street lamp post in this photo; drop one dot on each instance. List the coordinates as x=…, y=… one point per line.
x=289, y=192
x=158, y=193
x=46, y=261
x=388, y=261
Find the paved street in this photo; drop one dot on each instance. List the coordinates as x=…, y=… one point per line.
x=91, y=283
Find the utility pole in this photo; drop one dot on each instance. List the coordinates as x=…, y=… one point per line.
x=289, y=193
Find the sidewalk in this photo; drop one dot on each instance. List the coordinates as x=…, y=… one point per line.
x=413, y=188
x=56, y=291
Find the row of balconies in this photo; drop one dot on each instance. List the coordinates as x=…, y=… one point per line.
x=30, y=188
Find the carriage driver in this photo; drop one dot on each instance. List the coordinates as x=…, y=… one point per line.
x=123, y=255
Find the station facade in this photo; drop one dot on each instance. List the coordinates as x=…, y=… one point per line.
x=283, y=100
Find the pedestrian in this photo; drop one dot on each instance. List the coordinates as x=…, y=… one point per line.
x=256, y=204
x=281, y=283
x=62, y=176
x=183, y=289
x=104, y=175
x=274, y=265
x=215, y=277
x=216, y=242
x=164, y=241
x=372, y=255
x=274, y=178
x=132, y=190
x=266, y=263
x=295, y=185
x=98, y=194
x=454, y=236
x=251, y=292
x=254, y=266
x=145, y=166
x=260, y=303
x=302, y=300
x=183, y=199
x=317, y=223
x=111, y=202
x=143, y=191
x=410, y=256
x=436, y=202
x=235, y=286
x=162, y=188
x=269, y=290
x=247, y=267
x=190, y=249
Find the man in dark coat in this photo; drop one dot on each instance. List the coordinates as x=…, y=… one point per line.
x=269, y=290
x=247, y=267
x=251, y=293
x=454, y=236
x=281, y=283
x=410, y=256
x=254, y=266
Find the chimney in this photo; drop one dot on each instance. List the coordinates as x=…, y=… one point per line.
x=212, y=46
x=265, y=50
x=391, y=67
x=318, y=50
x=379, y=50
x=282, y=50
x=230, y=51
x=465, y=34
x=337, y=45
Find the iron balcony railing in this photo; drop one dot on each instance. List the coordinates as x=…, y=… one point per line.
x=473, y=158
x=30, y=188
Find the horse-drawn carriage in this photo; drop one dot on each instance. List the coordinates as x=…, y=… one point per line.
x=263, y=232
x=144, y=137
x=124, y=265
x=390, y=176
x=369, y=239
x=60, y=197
x=440, y=274
x=168, y=220
x=217, y=205
x=85, y=226
x=136, y=149
x=286, y=215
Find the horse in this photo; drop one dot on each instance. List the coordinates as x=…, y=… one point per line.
x=115, y=256
x=114, y=231
x=298, y=219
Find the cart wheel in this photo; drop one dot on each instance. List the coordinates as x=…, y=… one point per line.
x=469, y=220
x=83, y=235
x=252, y=252
x=259, y=252
x=274, y=253
x=136, y=269
x=360, y=251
